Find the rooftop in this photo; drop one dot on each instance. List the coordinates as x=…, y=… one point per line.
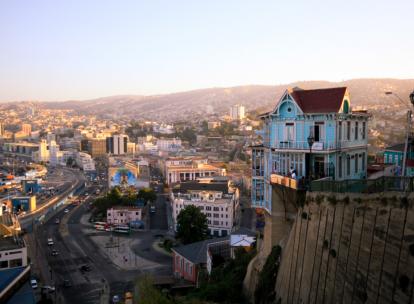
x=219, y=186
x=10, y=243
x=197, y=252
x=397, y=147
x=319, y=100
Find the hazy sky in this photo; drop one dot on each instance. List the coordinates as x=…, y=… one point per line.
x=79, y=49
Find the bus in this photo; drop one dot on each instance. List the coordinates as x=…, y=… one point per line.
x=100, y=225
x=122, y=229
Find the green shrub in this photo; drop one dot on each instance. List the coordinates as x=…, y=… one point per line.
x=346, y=200
x=319, y=199
x=358, y=200
x=332, y=200
x=404, y=202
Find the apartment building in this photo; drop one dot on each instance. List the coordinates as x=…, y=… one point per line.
x=217, y=199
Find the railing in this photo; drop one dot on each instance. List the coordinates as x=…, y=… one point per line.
x=321, y=145
x=381, y=184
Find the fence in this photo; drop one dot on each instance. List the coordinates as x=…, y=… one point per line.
x=381, y=184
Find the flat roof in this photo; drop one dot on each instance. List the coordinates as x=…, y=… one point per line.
x=10, y=243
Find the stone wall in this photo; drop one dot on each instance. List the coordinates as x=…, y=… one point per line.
x=347, y=249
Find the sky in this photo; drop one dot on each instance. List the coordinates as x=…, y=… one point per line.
x=83, y=49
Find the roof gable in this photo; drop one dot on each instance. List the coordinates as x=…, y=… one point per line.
x=286, y=98
x=320, y=100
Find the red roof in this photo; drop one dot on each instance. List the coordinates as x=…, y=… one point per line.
x=319, y=101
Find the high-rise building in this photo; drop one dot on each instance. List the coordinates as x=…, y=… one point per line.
x=117, y=144
x=26, y=129
x=1, y=129
x=237, y=112
x=97, y=147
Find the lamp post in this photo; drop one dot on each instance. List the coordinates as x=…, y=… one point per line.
x=311, y=140
x=408, y=130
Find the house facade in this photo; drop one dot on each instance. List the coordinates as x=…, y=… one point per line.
x=119, y=215
x=315, y=133
x=189, y=259
x=216, y=199
x=395, y=155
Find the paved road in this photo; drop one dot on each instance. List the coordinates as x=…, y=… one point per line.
x=73, y=179
x=158, y=220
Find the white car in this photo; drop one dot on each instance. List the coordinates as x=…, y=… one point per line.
x=33, y=283
x=115, y=299
x=66, y=210
x=50, y=242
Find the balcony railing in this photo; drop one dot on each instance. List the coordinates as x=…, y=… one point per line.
x=382, y=184
x=318, y=146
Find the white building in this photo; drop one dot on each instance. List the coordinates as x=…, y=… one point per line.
x=180, y=169
x=55, y=154
x=169, y=144
x=215, y=198
x=85, y=161
x=164, y=129
x=237, y=112
x=123, y=215
x=42, y=155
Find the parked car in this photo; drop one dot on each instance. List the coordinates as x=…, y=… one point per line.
x=33, y=283
x=67, y=283
x=48, y=288
x=85, y=268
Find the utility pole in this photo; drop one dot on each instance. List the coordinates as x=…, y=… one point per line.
x=408, y=130
x=407, y=138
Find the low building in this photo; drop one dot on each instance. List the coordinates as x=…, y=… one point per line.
x=23, y=203
x=123, y=215
x=14, y=266
x=20, y=148
x=13, y=253
x=85, y=162
x=181, y=169
x=394, y=155
x=169, y=144
x=189, y=260
x=215, y=198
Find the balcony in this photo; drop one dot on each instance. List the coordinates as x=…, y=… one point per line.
x=318, y=146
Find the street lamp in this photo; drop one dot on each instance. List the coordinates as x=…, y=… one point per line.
x=311, y=140
x=408, y=131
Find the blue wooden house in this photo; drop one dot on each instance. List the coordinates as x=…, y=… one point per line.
x=313, y=132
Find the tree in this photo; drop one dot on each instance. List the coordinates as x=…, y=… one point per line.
x=146, y=293
x=189, y=135
x=191, y=225
x=204, y=126
x=147, y=194
x=70, y=162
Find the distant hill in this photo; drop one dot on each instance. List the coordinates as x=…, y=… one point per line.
x=364, y=92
